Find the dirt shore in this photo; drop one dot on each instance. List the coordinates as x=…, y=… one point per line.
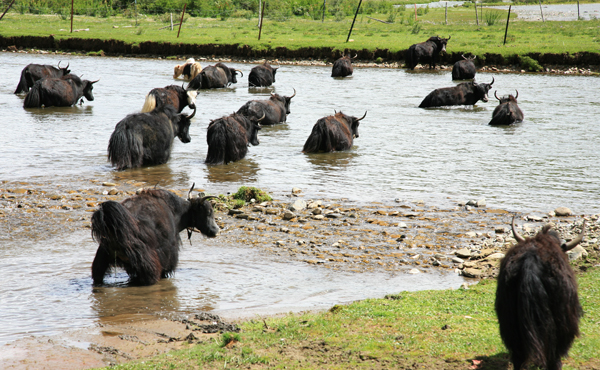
x=404, y=236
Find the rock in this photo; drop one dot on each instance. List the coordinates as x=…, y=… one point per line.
x=284, y=230
x=534, y=218
x=480, y=203
x=463, y=253
x=471, y=234
x=242, y=216
x=457, y=260
x=563, y=211
x=501, y=230
x=288, y=215
x=280, y=243
x=576, y=253
x=296, y=190
x=113, y=191
x=333, y=215
x=471, y=203
x=317, y=211
x=315, y=204
x=109, y=184
x=402, y=225
x=318, y=217
x=471, y=273
x=272, y=211
x=233, y=212
x=495, y=256
x=414, y=271
x=298, y=205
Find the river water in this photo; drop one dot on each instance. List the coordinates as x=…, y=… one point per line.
x=440, y=155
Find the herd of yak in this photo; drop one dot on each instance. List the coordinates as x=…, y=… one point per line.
x=536, y=299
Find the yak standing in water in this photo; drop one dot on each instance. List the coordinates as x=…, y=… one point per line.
x=34, y=72
x=333, y=133
x=466, y=93
x=507, y=112
x=228, y=138
x=173, y=95
x=426, y=52
x=141, y=234
x=213, y=77
x=189, y=69
x=146, y=138
x=262, y=75
x=275, y=110
x=342, y=67
x=536, y=299
x=464, y=69
x=59, y=92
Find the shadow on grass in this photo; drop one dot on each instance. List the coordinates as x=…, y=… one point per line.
x=499, y=361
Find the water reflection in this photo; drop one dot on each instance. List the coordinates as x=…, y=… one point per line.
x=265, y=90
x=332, y=161
x=161, y=175
x=245, y=170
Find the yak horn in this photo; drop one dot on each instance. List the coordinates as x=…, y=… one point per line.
x=362, y=116
x=495, y=91
x=462, y=55
x=193, y=114
x=491, y=83
x=68, y=64
x=517, y=94
x=278, y=65
x=449, y=37
x=208, y=197
x=294, y=93
x=190, y=192
x=263, y=117
x=518, y=237
x=570, y=245
x=241, y=74
x=93, y=82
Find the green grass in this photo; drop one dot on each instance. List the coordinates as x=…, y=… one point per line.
x=296, y=32
x=428, y=329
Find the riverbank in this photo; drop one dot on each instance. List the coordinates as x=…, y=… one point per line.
x=404, y=237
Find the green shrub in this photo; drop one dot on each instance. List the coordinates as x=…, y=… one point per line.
x=491, y=16
x=246, y=194
x=416, y=29
x=530, y=64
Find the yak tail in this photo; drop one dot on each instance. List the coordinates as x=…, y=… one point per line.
x=33, y=99
x=115, y=228
x=149, y=103
x=216, y=139
x=125, y=149
x=22, y=86
x=318, y=140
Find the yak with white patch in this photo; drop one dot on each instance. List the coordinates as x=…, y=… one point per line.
x=188, y=70
x=426, y=52
x=333, y=133
x=173, y=95
x=464, y=69
x=274, y=110
x=262, y=75
x=228, y=138
x=466, y=93
x=141, y=234
x=507, y=112
x=59, y=92
x=34, y=72
x=536, y=299
x=143, y=139
x=213, y=77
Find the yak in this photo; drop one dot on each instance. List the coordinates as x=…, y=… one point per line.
x=189, y=69
x=146, y=138
x=174, y=95
x=466, y=93
x=507, y=112
x=228, y=138
x=141, y=234
x=536, y=299
x=59, y=92
x=426, y=52
x=333, y=133
x=213, y=77
x=34, y=72
x=342, y=67
x=275, y=109
x=464, y=69
x=262, y=75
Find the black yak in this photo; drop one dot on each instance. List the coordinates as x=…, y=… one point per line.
x=426, y=52
x=342, y=67
x=536, y=299
x=189, y=69
x=262, y=75
x=141, y=234
x=34, y=72
x=275, y=110
x=466, y=93
x=174, y=95
x=59, y=92
x=464, y=69
x=228, y=138
x=507, y=111
x=333, y=133
x=146, y=138
x=213, y=77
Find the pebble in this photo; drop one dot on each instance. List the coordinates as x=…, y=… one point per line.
x=563, y=211
x=414, y=271
x=471, y=273
x=298, y=205
x=463, y=253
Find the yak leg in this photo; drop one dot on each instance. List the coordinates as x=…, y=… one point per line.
x=517, y=361
x=100, y=265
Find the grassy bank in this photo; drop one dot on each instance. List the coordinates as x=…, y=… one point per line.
x=451, y=329
x=297, y=33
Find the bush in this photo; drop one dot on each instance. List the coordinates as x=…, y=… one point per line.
x=491, y=17
x=246, y=194
x=530, y=64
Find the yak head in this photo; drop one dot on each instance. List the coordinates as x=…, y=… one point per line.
x=470, y=59
x=65, y=70
x=182, y=123
x=88, y=86
x=506, y=99
x=440, y=42
x=481, y=90
x=274, y=70
x=548, y=230
x=253, y=129
x=234, y=74
x=202, y=215
x=352, y=122
x=285, y=100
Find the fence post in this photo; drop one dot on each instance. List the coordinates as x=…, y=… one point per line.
x=136, y=15
x=507, y=20
x=324, y=4
x=446, y=13
x=578, y=16
x=13, y=1
x=181, y=21
x=541, y=12
x=262, y=15
x=71, y=16
x=354, y=20
x=259, y=12
x=171, y=21
x=415, y=12
x=476, y=16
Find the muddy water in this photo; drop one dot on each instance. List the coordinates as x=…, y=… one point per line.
x=438, y=155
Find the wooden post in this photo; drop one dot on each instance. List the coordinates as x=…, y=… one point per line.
x=324, y=4
x=181, y=21
x=259, y=12
x=578, y=16
x=71, y=16
x=354, y=20
x=13, y=1
x=262, y=15
x=476, y=16
x=446, y=13
x=507, y=20
x=541, y=12
x=136, y=15
x=171, y=21
x=415, y=12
